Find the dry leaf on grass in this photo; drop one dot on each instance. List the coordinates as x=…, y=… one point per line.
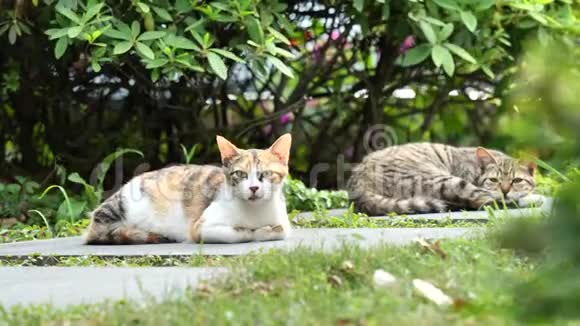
x=431, y=292
x=347, y=266
x=335, y=280
x=383, y=279
x=434, y=247
x=262, y=287
x=205, y=287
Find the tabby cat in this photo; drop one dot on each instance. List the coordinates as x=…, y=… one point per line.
x=427, y=177
x=238, y=202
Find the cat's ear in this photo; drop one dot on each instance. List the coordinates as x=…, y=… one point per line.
x=227, y=149
x=484, y=157
x=532, y=166
x=281, y=148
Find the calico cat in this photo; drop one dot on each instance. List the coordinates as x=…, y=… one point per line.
x=239, y=202
x=427, y=177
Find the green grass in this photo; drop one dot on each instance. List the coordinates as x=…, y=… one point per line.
x=294, y=288
x=24, y=232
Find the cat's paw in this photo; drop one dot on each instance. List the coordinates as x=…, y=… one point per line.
x=269, y=232
x=277, y=228
x=239, y=228
x=531, y=200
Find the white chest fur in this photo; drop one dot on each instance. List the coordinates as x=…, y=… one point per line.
x=234, y=220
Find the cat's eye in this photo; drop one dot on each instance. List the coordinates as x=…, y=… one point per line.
x=239, y=174
x=264, y=174
x=517, y=180
x=494, y=180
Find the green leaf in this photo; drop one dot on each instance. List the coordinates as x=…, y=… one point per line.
x=279, y=35
x=145, y=50
x=217, y=65
x=220, y=6
x=414, y=56
x=283, y=68
x=189, y=65
x=449, y=65
x=460, y=52
x=74, y=31
x=144, y=8
x=113, y=33
x=482, y=5
x=181, y=42
x=183, y=6
x=207, y=40
x=228, y=55
x=96, y=66
x=447, y=4
x=538, y=17
x=284, y=53
x=122, y=47
x=439, y=54
x=434, y=21
x=163, y=14
x=197, y=37
x=89, y=189
x=92, y=12
x=125, y=29
x=147, y=36
x=12, y=34
x=358, y=5
x=428, y=32
x=469, y=20
x=386, y=10
x=56, y=33
x=157, y=63
x=74, y=208
x=68, y=14
x=488, y=72
x=446, y=31
x=60, y=47
x=135, y=29
x=254, y=29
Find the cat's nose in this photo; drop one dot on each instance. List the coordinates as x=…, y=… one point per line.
x=505, y=188
x=254, y=189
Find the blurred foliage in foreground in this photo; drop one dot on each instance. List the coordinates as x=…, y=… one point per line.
x=548, y=90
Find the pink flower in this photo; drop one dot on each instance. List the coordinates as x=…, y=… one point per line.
x=285, y=118
x=408, y=43
x=334, y=35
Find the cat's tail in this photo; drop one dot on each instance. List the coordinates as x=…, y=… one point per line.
x=99, y=234
x=374, y=204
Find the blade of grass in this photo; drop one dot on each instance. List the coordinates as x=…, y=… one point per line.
x=66, y=199
x=552, y=169
x=45, y=221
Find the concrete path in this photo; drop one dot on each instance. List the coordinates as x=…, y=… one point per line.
x=62, y=286
x=326, y=239
x=462, y=216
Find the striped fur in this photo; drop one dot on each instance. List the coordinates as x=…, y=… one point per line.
x=426, y=177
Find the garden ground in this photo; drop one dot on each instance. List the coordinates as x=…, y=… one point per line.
x=312, y=287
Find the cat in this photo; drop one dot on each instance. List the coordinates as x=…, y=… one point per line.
x=428, y=177
x=241, y=201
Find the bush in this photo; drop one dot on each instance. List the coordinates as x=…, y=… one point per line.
x=153, y=75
